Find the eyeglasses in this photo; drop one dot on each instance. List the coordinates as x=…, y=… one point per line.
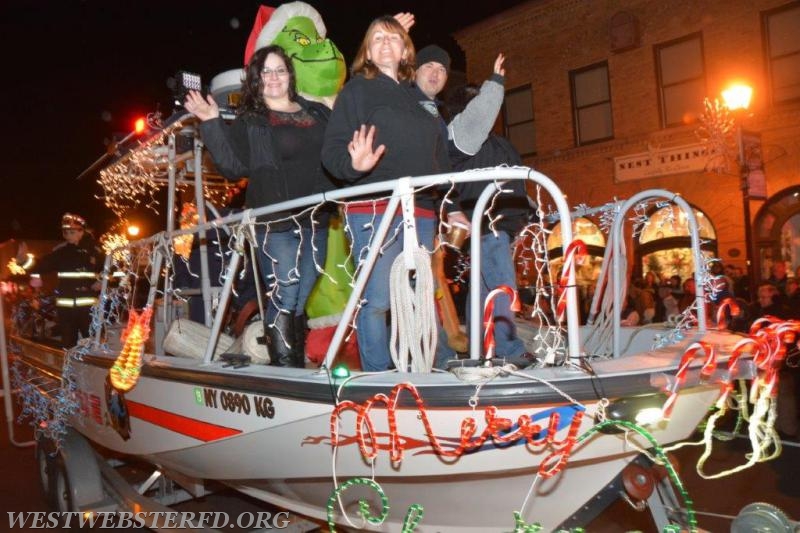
x=280, y=72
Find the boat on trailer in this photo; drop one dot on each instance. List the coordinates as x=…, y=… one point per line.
x=483, y=446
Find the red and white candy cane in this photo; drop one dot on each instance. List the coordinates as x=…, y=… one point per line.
x=576, y=248
x=779, y=334
x=488, y=316
x=727, y=303
x=709, y=365
x=767, y=348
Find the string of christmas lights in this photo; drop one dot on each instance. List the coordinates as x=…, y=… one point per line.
x=47, y=404
x=534, y=262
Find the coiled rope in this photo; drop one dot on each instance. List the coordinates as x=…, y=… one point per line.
x=413, y=311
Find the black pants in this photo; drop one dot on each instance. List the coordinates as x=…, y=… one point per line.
x=71, y=321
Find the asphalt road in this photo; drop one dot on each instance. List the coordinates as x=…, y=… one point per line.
x=716, y=502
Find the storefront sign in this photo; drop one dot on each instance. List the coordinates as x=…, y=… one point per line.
x=688, y=158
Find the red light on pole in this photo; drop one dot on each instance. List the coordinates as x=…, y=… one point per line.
x=140, y=126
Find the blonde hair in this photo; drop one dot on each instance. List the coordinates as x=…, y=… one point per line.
x=365, y=67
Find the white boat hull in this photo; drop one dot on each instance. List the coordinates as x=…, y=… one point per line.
x=277, y=446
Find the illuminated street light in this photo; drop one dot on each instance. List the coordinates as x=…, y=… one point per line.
x=133, y=230
x=737, y=97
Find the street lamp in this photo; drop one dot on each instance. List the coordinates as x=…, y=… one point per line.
x=737, y=98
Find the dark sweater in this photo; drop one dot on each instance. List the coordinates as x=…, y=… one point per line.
x=250, y=148
x=412, y=136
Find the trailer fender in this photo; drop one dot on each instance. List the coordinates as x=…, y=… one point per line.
x=83, y=480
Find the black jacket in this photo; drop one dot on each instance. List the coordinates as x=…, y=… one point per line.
x=77, y=266
x=514, y=206
x=412, y=136
x=247, y=148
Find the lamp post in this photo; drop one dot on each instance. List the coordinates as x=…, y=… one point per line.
x=737, y=99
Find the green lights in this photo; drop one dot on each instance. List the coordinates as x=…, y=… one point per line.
x=340, y=372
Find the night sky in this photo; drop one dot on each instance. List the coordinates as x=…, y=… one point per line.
x=76, y=73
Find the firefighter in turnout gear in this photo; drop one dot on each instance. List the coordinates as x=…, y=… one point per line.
x=77, y=262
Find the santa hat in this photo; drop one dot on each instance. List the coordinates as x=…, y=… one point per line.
x=270, y=21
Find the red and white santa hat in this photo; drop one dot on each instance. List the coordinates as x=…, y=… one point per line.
x=270, y=20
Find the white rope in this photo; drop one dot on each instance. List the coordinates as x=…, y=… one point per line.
x=413, y=311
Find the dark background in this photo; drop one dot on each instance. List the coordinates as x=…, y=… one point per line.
x=77, y=73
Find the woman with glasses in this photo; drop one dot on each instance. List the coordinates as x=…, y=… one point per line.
x=275, y=142
x=377, y=132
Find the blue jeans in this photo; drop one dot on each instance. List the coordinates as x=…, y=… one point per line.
x=288, y=269
x=497, y=268
x=371, y=322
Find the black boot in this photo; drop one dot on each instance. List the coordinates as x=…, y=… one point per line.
x=281, y=341
x=300, y=339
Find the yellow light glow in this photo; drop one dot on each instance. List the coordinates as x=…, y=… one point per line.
x=17, y=269
x=648, y=416
x=140, y=125
x=124, y=373
x=737, y=96
x=115, y=243
x=133, y=230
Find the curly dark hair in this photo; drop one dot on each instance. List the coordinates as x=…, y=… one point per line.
x=253, y=83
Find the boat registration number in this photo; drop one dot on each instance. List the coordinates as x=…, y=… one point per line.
x=235, y=402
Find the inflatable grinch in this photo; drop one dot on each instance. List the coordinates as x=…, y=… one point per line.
x=297, y=28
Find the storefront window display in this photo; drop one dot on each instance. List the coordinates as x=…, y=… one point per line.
x=664, y=242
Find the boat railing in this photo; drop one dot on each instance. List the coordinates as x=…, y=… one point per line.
x=157, y=159
x=605, y=315
x=397, y=192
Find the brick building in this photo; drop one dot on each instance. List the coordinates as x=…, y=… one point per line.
x=607, y=98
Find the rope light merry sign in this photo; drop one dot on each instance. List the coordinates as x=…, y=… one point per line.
x=499, y=430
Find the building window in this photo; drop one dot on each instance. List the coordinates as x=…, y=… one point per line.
x=591, y=104
x=664, y=245
x=518, y=117
x=682, y=80
x=783, y=52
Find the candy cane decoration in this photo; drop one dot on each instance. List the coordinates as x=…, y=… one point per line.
x=709, y=365
x=488, y=316
x=576, y=248
x=727, y=303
